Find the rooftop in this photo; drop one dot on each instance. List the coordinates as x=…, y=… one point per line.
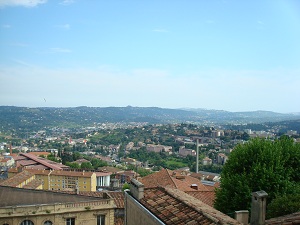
x=172, y=179
x=291, y=219
x=173, y=206
x=31, y=160
x=17, y=179
x=11, y=196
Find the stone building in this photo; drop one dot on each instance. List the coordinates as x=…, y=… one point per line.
x=20, y=206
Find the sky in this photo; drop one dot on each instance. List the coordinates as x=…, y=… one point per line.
x=220, y=54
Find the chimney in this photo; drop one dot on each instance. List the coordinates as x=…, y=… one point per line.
x=137, y=189
x=197, y=155
x=242, y=216
x=20, y=169
x=194, y=186
x=114, y=184
x=258, y=208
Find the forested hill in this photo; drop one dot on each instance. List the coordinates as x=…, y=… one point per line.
x=24, y=117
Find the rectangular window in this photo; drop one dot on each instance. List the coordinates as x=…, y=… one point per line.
x=101, y=220
x=70, y=221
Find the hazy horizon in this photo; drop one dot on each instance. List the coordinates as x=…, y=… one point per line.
x=223, y=54
x=180, y=108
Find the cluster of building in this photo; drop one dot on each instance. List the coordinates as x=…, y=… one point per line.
x=165, y=197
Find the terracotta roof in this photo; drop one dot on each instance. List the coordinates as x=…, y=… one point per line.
x=102, y=174
x=81, y=160
x=208, y=197
x=110, y=169
x=118, y=197
x=291, y=219
x=38, y=167
x=34, y=171
x=11, y=196
x=173, y=206
x=119, y=221
x=172, y=179
x=27, y=162
x=33, y=184
x=50, y=164
x=17, y=179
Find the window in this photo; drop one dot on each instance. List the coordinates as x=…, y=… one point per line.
x=101, y=220
x=48, y=222
x=27, y=222
x=70, y=221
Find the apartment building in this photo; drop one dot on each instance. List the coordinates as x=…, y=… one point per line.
x=66, y=180
x=31, y=207
x=71, y=180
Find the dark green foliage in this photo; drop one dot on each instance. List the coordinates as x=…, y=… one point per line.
x=98, y=163
x=258, y=165
x=73, y=165
x=284, y=205
x=125, y=186
x=86, y=165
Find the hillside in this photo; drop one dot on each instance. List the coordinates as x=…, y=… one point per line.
x=27, y=118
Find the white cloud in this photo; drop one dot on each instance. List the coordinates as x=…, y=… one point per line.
x=25, y=3
x=67, y=2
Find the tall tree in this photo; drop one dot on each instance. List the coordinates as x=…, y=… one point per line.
x=272, y=166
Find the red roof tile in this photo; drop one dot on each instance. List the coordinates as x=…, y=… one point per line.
x=291, y=219
x=17, y=179
x=118, y=197
x=208, y=197
x=173, y=206
x=172, y=179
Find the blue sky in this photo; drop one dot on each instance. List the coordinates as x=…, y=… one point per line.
x=218, y=54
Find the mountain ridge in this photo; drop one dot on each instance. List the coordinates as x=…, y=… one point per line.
x=22, y=117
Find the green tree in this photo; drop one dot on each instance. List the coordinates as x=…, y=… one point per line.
x=86, y=165
x=272, y=166
x=73, y=165
x=98, y=163
x=126, y=186
x=283, y=205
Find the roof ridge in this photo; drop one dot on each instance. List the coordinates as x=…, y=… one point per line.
x=171, y=178
x=206, y=210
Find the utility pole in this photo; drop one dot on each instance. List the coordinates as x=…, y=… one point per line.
x=197, y=155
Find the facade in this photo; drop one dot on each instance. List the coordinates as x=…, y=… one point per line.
x=37, y=207
x=222, y=158
x=71, y=180
x=206, y=161
x=66, y=180
x=185, y=152
x=103, y=179
x=24, y=179
x=158, y=148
